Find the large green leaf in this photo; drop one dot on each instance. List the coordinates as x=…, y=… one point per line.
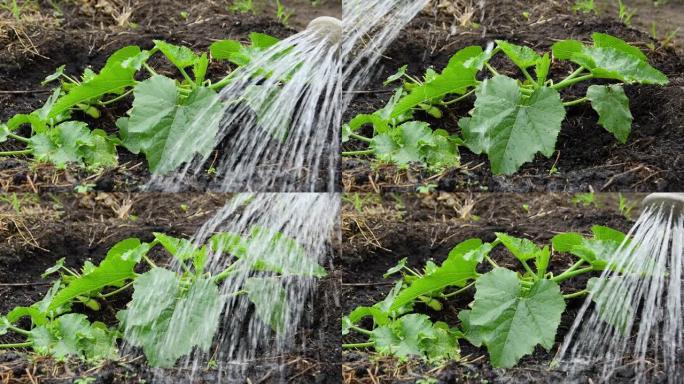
x=181, y=57
x=164, y=127
x=113, y=78
x=415, y=335
x=272, y=251
x=510, y=128
x=612, y=106
x=416, y=142
x=523, y=57
x=113, y=271
x=457, y=270
x=72, y=335
x=596, y=251
x=239, y=54
x=455, y=79
x=510, y=321
x=610, y=58
x=522, y=249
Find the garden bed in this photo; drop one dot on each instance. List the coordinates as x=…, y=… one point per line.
x=84, y=227
x=85, y=36
x=586, y=155
x=380, y=230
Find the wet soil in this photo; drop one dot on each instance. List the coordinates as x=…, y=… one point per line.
x=84, y=36
x=587, y=156
x=380, y=230
x=37, y=231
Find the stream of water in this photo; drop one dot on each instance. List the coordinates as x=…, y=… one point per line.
x=643, y=292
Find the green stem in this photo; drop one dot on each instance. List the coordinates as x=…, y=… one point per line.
x=581, y=293
x=112, y=293
x=526, y=91
x=359, y=137
x=17, y=153
x=223, y=82
x=452, y=294
x=238, y=293
x=574, y=74
x=20, y=138
x=529, y=270
x=568, y=275
x=149, y=262
x=575, y=102
x=358, y=153
x=361, y=330
x=491, y=262
x=491, y=69
x=114, y=100
x=17, y=345
x=358, y=345
x=568, y=82
x=573, y=267
x=18, y=330
x=456, y=100
x=528, y=76
x=225, y=273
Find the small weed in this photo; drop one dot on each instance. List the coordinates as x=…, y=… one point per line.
x=625, y=14
x=585, y=199
x=625, y=206
x=84, y=188
x=585, y=6
x=282, y=13
x=242, y=6
x=427, y=188
x=526, y=208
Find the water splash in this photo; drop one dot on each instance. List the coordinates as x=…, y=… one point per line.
x=244, y=339
x=370, y=26
x=278, y=123
x=642, y=295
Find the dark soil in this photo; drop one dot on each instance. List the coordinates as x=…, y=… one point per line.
x=84, y=37
x=383, y=229
x=84, y=227
x=587, y=155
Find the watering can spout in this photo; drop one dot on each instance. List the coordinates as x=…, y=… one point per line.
x=675, y=201
x=328, y=27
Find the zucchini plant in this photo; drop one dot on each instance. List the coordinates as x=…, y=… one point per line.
x=512, y=119
x=510, y=313
x=167, y=308
x=156, y=125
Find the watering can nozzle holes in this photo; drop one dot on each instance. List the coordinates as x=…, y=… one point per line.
x=673, y=200
x=327, y=26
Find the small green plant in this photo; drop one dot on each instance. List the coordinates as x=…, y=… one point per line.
x=184, y=15
x=13, y=7
x=585, y=6
x=156, y=125
x=242, y=6
x=282, y=13
x=183, y=306
x=85, y=188
x=427, y=188
x=625, y=206
x=585, y=199
x=625, y=14
x=512, y=119
x=510, y=313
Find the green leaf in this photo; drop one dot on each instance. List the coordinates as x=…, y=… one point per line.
x=113, y=271
x=72, y=335
x=415, y=142
x=58, y=265
x=181, y=249
x=470, y=57
x=58, y=73
x=238, y=54
x=565, y=49
x=262, y=40
x=113, y=78
x=4, y=132
x=523, y=57
x=270, y=301
x=471, y=333
x=596, y=251
x=73, y=142
x=603, y=40
x=165, y=129
x=542, y=69
x=400, y=73
x=272, y=251
x=457, y=270
x=455, y=79
x=379, y=316
x=512, y=322
x=225, y=50
x=512, y=129
x=181, y=57
x=182, y=320
x=612, y=106
x=397, y=268
x=522, y=249
x=199, y=69
x=415, y=335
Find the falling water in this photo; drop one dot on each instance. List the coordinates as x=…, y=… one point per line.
x=643, y=297
x=370, y=26
x=277, y=122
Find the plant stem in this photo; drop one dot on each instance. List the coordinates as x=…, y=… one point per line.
x=528, y=76
x=149, y=69
x=238, y=293
x=452, y=294
x=17, y=345
x=224, y=274
x=491, y=69
x=529, y=270
x=574, y=74
x=16, y=153
x=581, y=293
x=358, y=345
x=567, y=275
x=491, y=262
x=576, y=102
x=359, y=137
x=20, y=138
x=18, y=330
x=112, y=293
x=114, y=100
x=358, y=153
x=456, y=100
x=568, y=82
x=360, y=330
x=223, y=82
x=149, y=262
